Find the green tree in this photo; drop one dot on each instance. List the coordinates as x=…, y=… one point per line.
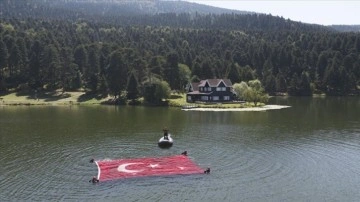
x=155, y=92
x=91, y=76
x=206, y=71
x=246, y=73
x=3, y=64
x=35, y=80
x=184, y=75
x=23, y=67
x=171, y=70
x=132, y=88
x=255, y=92
x=240, y=89
x=294, y=85
x=51, y=67
x=14, y=60
x=68, y=69
x=280, y=83
x=321, y=65
x=149, y=92
x=81, y=59
x=3, y=57
x=304, y=86
x=162, y=91
x=234, y=75
x=270, y=83
x=116, y=74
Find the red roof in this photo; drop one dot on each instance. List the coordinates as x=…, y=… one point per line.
x=215, y=82
x=195, y=86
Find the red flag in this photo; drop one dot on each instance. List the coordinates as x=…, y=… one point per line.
x=125, y=168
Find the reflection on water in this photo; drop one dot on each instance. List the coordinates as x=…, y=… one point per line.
x=309, y=152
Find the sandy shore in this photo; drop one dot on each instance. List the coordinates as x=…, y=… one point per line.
x=264, y=108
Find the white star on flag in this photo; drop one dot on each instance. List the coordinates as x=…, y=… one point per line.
x=153, y=165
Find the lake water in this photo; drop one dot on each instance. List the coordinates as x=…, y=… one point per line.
x=308, y=152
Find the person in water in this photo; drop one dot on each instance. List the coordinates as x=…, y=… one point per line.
x=166, y=134
x=207, y=171
x=94, y=180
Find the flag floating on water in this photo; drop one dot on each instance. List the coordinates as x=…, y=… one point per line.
x=140, y=167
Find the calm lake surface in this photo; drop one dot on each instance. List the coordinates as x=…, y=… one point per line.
x=308, y=152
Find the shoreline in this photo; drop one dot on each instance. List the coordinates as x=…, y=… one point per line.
x=80, y=98
x=255, y=109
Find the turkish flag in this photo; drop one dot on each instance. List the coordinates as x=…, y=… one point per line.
x=139, y=167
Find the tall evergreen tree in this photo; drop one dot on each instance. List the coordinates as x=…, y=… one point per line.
x=3, y=57
x=116, y=74
x=132, y=88
x=51, y=67
x=171, y=70
x=93, y=73
x=34, y=65
x=280, y=83
x=81, y=59
x=14, y=60
x=304, y=86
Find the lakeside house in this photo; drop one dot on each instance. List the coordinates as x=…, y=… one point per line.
x=210, y=90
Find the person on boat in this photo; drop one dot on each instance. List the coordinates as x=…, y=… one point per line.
x=166, y=134
x=184, y=153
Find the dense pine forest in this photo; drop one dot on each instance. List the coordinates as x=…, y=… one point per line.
x=73, y=45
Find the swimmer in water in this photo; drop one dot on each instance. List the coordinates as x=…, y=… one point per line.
x=94, y=180
x=207, y=171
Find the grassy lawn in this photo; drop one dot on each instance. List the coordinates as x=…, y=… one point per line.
x=51, y=98
x=77, y=98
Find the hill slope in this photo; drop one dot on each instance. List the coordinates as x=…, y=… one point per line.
x=104, y=8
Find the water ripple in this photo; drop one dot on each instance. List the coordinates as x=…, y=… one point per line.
x=246, y=163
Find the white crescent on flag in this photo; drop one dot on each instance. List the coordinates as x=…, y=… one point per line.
x=122, y=168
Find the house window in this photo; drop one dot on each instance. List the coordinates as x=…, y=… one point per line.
x=226, y=97
x=209, y=88
x=215, y=98
x=218, y=88
x=223, y=89
x=189, y=98
x=204, y=98
x=200, y=88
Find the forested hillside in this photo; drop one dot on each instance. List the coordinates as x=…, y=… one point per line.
x=346, y=28
x=60, y=47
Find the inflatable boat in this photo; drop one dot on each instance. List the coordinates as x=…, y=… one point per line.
x=163, y=142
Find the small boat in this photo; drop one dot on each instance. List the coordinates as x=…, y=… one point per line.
x=164, y=143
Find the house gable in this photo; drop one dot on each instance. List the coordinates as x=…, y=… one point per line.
x=221, y=84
